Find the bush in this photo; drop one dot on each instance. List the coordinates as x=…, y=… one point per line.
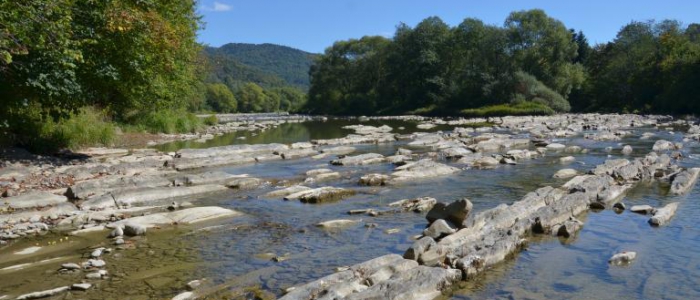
x=515, y=109
x=528, y=88
x=35, y=130
x=211, y=120
x=169, y=121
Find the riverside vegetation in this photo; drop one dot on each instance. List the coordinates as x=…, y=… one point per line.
x=136, y=67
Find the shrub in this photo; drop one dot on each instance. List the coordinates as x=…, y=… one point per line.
x=37, y=131
x=211, y=120
x=169, y=121
x=528, y=88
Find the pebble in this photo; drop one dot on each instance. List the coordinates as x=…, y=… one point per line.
x=97, y=263
x=116, y=232
x=70, y=266
x=97, y=253
x=134, y=229
x=93, y=275
x=119, y=241
x=81, y=286
x=192, y=285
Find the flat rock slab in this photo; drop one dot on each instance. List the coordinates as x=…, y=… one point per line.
x=683, y=181
x=385, y=277
x=340, y=223
x=286, y=191
x=102, y=152
x=359, y=160
x=32, y=200
x=44, y=294
x=147, y=196
x=421, y=169
x=318, y=195
x=185, y=216
x=416, y=205
x=565, y=173
x=663, y=215
x=85, y=189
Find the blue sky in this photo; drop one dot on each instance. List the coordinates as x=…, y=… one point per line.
x=313, y=25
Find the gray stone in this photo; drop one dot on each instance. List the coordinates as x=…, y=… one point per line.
x=419, y=247
x=456, y=212
x=663, y=215
x=44, y=294
x=642, y=209
x=439, y=229
x=623, y=258
x=70, y=266
x=416, y=205
x=93, y=275
x=96, y=253
x=116, y=232
x=565, y=173
x=81, y=286
x=338, y=223
x=627, y=150
x=133, y=229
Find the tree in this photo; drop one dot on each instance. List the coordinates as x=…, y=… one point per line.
x=251, y=98
x=542, y=46
x=220, y=98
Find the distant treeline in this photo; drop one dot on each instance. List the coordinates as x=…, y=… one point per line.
x=531, y=64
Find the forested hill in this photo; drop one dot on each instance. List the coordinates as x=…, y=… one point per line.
x=262, y=63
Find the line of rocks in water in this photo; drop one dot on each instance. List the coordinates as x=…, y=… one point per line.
x=458, y=247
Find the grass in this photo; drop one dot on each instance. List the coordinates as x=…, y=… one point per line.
x=88, y=127
x=169, y=121
x=519, y=109
x=211, y=120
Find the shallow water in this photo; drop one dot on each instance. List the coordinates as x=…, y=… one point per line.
x=234, y=254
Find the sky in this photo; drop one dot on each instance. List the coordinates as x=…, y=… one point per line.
x=313, y=25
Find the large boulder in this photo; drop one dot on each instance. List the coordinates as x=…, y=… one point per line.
x=455, y=212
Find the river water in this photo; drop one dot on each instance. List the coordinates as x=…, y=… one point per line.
x=234, y=256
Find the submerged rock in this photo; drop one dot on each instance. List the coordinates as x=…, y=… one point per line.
x=565, y=173
x=623, y=258
x=663, y=215
x=683, y=181
x=374, y=179
x=362, y=159
x=323, y=194
x=421, y=169
x=416, y=205
x=642, y=209
x=338, y=223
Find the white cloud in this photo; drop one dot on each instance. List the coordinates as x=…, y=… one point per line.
x=218, y=7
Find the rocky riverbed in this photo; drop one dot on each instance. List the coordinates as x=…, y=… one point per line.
x=399, y=207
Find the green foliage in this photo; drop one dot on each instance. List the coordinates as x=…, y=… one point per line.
x=168, y=121
x=649, y=67
x=528, y=88
x=435, y=69
x=61, y=55
x=517, y=109
x=543, y=47
x=40, y=133
x=220, y=98
x=283, y=63
x=211, y=120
